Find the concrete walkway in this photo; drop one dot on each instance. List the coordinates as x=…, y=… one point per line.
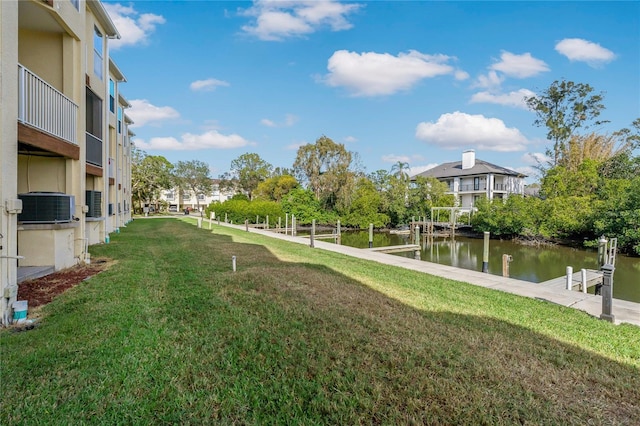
x=624, y=311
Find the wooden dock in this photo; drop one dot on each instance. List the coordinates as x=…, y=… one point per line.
x=594, y=277
x=396, y=249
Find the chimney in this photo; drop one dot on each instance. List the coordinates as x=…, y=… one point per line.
x=468, y=159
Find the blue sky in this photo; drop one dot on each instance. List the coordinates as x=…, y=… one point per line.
x=410, y=81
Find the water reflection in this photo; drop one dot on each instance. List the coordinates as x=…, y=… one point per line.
x=530, y=263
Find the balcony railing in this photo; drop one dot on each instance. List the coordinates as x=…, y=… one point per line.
x=41, y=106
x=500, y=187
x=473, y=187
x=94, y=150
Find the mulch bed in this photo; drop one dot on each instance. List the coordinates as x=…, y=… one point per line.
x=40, y=291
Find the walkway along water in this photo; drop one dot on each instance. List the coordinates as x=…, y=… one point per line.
x=624, y=311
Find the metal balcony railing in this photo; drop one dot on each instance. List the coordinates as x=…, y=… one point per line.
x=500, y=187
x=41, y=106
x=473, y=187
x=94, y=150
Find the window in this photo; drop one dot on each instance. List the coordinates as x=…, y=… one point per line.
x=94, y=114
x=186, y=196
x=169, y=195
x=476, y=183
x=112, y=96
x=200, y=196
x=97, y=53
x=76, y=4
x=119, y=120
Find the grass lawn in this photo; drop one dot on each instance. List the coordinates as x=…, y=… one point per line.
x=170, y=334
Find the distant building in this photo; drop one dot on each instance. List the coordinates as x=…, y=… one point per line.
x=178, y=202
x=470, y=179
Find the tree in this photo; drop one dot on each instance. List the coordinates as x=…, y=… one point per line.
x=323, y=166
x=365, y=207
x=564, y=107
x=275, y=188
x=400, y=170
x=193, y=176
x=150, y=174
x=428, y=192
x=250, y=170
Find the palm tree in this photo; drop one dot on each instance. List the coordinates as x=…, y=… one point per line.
x=400, y=170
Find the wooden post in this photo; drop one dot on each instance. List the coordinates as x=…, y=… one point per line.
x=416, y=255
x=286, y=223
x=294, y=226
x=279, y=223
x=505, y=264
x=211, y=219
x=485, y=253
x=370, y=235
x=313, y=233
x=233, y=263
x=339, y=241
x=569, y=277
x=416, y=237
x=583, y=280
x=267, y=222
x=607, y=293
x=226, y=218
x=199, y=222
x=246, y=225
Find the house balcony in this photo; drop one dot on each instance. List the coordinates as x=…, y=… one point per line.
x=42, y=107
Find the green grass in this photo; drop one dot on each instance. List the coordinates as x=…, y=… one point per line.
x=169, y=334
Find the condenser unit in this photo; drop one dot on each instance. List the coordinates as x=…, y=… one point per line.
x=94, y=202
x=46, y=207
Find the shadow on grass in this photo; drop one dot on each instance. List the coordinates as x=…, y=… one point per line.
x=171, y=334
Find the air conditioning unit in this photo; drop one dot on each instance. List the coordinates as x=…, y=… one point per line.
x=111, y=209
x=94, y=202
x=46, y=207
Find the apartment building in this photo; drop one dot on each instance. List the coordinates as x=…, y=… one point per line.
x=65, y=142
x=471, y=179
x=177, y=201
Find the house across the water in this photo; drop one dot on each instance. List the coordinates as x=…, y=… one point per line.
x=471, y=179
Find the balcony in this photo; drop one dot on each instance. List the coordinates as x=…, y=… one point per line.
x=94, y=150
x=500, y=187
x=43, y=107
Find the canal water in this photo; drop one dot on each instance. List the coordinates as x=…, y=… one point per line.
x=530, y=263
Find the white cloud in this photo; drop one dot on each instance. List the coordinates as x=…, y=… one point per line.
x=519, y=66
x=458, y=130
x=211, y=139
x=419, y=169
x=295, y=146
x=490, y=81
x=277, y=20
x=392, y=158
x=350, y=139
x=377, y=74
x=207, y=85
x=142, y=112
x=134, y=28
x=515, y=99
x=577, y=49
x=289, y=120
x=535, y=158
x=461, y=75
